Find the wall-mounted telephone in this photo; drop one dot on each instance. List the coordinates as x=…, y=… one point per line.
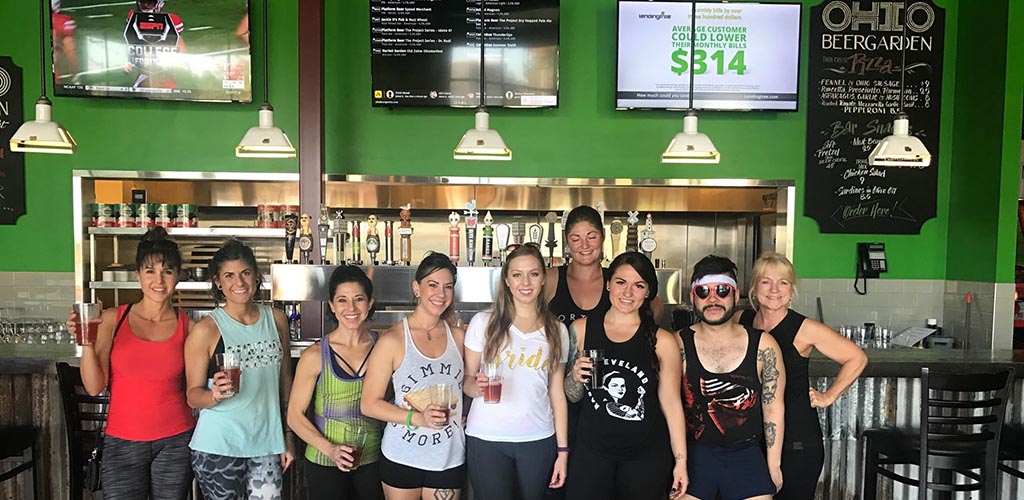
x=871, y=259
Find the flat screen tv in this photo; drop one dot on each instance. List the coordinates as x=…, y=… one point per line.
x=152, y=49
x=747, y=56
x=427, y=53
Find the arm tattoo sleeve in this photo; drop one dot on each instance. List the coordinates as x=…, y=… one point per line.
x=769, y=434
x=769, y=374
x=573, y=389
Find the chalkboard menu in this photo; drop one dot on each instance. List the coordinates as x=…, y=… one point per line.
x=853, y=97
x=427, y=53
x=12, y=165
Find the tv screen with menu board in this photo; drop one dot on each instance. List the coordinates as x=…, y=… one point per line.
x=746, y=57
x=152, y=49
x=427, y=53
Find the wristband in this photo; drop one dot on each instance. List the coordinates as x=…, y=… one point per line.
x=562, y=449
x=408, y=421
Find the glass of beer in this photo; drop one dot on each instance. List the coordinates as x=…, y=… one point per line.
x=231, y=364
x=597, y=356
x=355, y=437
x=492, y=391
x=88, y=322
x=442, y=395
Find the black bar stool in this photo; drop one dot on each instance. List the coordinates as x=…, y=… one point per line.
x=1011, y=449
x=17, y=444
x=83, y=417
x=961, y=423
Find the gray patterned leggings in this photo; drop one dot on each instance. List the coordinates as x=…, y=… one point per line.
x=231, y=478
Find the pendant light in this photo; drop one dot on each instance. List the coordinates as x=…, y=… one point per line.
x=691, y=146
x=900, y=149
x=43, y=135
x=265, y=140
x=481, y=142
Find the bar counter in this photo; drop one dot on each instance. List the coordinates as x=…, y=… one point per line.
x=886, y=395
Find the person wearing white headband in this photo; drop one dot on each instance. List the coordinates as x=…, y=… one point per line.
x=733, y=381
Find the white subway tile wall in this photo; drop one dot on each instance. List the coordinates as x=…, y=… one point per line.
x=43, y=293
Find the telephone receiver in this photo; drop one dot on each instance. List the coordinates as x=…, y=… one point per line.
x=871, y=260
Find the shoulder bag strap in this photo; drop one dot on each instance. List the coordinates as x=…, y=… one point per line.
x=120, y=321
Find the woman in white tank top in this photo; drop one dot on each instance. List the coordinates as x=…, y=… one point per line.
x=423, y=450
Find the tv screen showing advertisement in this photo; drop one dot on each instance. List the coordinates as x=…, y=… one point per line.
x=427, y=53
x=746, y=57
x=152, y=49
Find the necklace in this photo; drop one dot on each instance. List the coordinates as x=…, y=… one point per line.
x=431, y=329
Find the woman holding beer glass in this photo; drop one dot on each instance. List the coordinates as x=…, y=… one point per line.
x=516, y=430
x=627, y=454
x=423, y=448
x=149, y=424
x=238, y=377
x=772, y=290
x=344, y=444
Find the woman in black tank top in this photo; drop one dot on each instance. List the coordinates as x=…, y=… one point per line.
x=772, y=289
x=632, y=425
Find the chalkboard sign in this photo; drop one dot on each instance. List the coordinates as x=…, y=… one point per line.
x=853, y=97
x=12, y=165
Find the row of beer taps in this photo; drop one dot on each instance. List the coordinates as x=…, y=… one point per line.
x=340, y=232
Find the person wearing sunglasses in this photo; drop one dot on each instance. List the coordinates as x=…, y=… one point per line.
x=733, y=380
x=772, y=290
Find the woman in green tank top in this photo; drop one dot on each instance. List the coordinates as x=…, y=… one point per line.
x=344, y=444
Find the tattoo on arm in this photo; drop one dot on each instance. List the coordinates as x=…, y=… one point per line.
x=769, y=374
x=573, y=389
x=769, y=434
x=444, y=494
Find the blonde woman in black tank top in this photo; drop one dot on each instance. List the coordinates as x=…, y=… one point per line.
x=772, y=290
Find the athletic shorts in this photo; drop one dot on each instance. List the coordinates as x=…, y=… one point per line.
x=401, y=476
x=727, y=473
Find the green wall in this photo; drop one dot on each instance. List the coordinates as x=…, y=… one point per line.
x=584, y=137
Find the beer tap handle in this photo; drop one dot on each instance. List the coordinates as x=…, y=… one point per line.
x=552, y=240
x=502, y=232
x=536, y=234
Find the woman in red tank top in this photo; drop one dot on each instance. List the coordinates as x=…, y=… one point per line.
x=145, y=451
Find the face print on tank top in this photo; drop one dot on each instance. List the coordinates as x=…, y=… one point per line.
x=725, y=403
x=622, y=390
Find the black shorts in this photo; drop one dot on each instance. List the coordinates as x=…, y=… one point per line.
x=727, y=473
x=404, y=477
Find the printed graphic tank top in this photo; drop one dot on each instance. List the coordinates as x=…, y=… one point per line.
x=801, y=420
x=564, y=307
x=423, y=447
x=723, y=409
x=336, y=408
x=623, y=418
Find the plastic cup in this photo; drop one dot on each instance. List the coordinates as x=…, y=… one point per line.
x=356, y=438
x=441, y=395
x=492, y=391
x=597, y=356
x=230, y=363
x=88, y=322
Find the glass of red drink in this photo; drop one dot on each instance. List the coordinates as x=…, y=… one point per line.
x=355, y=437
x=492, y=391
x=231, y=364
x=442, y=395
x=88, y=322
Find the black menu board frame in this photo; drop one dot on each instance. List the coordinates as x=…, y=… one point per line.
x=853, y=93
x=426, y=53
x=12, y=165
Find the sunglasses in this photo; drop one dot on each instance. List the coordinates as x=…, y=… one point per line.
x=723, y=290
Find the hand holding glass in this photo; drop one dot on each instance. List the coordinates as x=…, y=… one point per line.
x=492, y=391
x=597, y=358
x=355, y=438
x=88, y=322
x=230, y=364
x=441, y=395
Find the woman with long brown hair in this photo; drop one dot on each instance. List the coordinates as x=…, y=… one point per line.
x=520, y=443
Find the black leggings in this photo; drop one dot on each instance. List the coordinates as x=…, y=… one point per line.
x=593, y=476
x=327, y=483
x=800, y=472
x=510, y=471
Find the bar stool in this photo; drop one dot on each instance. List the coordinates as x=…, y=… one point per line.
x=961, y=423
x=17, y=444
x=1011, y=448
x=83, y=416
